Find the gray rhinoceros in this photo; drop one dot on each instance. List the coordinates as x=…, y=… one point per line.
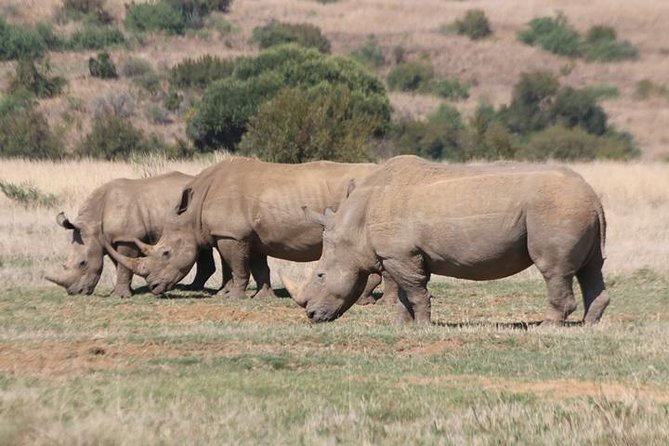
x=248, y=210
x=121, y=207
x=413, y=218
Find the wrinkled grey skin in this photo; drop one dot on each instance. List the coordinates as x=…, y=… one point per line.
x=248, y=210
x=413, y=218
x=120, y=208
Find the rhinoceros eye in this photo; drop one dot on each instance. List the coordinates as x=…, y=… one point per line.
x=320, y=275
x=166, y=254
x=83, y=264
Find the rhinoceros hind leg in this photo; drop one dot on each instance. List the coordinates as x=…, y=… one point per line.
x=595, y=296
x=413, y=297
x=123, y=274
x=561, y=302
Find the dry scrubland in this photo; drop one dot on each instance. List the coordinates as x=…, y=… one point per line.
x=191, y=368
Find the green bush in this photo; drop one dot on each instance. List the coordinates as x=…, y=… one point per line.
x=449, y=89
x=474, y=25
x=439, y=137
x=160, y=16
x=573, y=107
x=36, y=81
x=487, y=137
x=27, y=195
x=646, y=88
x=95, y=37
x=221, y=117
x=78, y=9
x=530, y=102
x=151, y=82
x=24, y=131
x=102, y=66
x=136, y=66
x=601, y=45
x=410, y=76
x=278, y=33
x=369, y=53
x=199, y=73
x=113, y=138
x=555, y=35
x=568, y=144
x=24, y=41
x=304, y=125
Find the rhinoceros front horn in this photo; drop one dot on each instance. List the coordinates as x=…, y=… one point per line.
x=135, y=265
x=55, y=279
x=294, y=290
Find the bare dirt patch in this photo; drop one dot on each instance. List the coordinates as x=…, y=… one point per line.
x=219, y=312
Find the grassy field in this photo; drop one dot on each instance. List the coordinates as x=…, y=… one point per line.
x=191, y=370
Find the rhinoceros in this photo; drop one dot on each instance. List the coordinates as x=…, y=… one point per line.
x=413, y=218
x=247, y=209
x=121, y=207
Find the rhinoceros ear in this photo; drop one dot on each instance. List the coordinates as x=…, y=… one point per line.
x=63, y=221
x=186, y=197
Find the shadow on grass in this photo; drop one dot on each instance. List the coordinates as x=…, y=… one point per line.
x=185, y=292
x=505, y=325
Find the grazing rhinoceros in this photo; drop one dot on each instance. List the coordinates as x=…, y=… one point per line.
x=247, y=209
x=413, y=218
x=121, y=207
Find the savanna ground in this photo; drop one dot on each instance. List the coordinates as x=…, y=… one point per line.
x=192, y=368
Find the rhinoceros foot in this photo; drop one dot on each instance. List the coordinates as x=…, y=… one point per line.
x=265, y=293
x=232, y=293
x=122, y=292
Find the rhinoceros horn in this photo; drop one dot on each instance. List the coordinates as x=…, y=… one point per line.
x=57, y=280
x=136, y=265
x=294, y=290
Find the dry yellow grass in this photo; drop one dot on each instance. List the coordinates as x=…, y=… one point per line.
x=493, y=65
x=635, y=198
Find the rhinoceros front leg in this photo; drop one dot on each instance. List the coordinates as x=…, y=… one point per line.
x=235, y=255
x=123, y=274
x=205, y=269
x=261, y=274
x=413, y=298
x=390, y=291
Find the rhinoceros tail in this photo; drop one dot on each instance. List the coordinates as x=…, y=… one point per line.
x=602, y=229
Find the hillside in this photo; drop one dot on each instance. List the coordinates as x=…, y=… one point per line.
x=492, y=66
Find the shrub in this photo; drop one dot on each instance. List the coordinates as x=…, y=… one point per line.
x=36, y=81
x=157, y=115
x=601, y=45
x=151, y=82
x=474, y=25
x=369, y=53
x=573, y=108
x=221, y=117
x=23, y=41
x=120, y=105
x=102, y=67
x=135, y=66
x=449, y=89
x=24, y=131
x=530, y=102
x=277, y=33
x=559, y=142
x=94, y=37
x=200, y=72
x=439, y=137
x=160, y=16
x=304, y=125
x=487, y=137
x=28, y=195
x=77, y=9
x=113, y=138
x=646, y=88
x=410, y=76
x=555, y=35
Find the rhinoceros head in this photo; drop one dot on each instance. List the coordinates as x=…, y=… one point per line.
x=81, y=272
x=337, y=279
x=165, y=263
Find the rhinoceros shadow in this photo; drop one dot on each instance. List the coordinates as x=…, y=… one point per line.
x=184, y=293
x=522, y=325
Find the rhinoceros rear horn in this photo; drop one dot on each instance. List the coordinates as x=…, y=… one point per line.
x=63, y=221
